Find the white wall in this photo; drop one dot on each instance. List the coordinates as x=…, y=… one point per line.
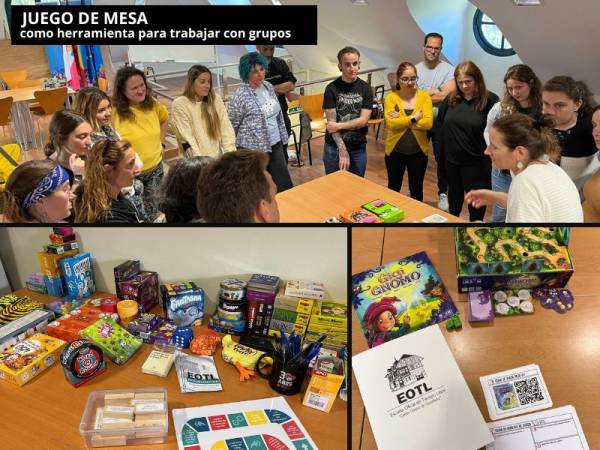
x=204, y=255
x=454, y=20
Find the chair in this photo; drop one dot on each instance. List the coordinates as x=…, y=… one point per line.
x=5, y=106
x=13, y=77
x=380, y=89
x=50, y=101
x=312, y=107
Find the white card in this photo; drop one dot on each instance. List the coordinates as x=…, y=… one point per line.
x=554, y=429
x=415, y=396
x=516, y=391
x=434, y=218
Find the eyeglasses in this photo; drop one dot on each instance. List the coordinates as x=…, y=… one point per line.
x=409, y=79
x=432, y=49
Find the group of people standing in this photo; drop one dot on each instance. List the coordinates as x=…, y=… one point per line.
x=532, y=155
x=529, y=154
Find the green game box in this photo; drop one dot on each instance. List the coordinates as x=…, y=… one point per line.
x=491, y=258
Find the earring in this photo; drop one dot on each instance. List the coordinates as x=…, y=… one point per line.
x=520, y=165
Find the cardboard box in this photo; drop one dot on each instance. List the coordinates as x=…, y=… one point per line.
x=125, y=271
x=50, y=262
x=79, y=276
x=23, y=327
x=183, y=303
x=55, y=286
x=305, y=289
x=491, y=258
x=29, y=358
x=330, y=314
x=12, y=307
x=69, y=327
x=143, y=288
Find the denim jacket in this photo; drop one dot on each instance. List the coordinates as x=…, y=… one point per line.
x=249, y=122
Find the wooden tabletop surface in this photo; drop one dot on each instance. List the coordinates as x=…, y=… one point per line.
x=566, y=347
x=25, y=94
x=45, y=413
x=341, y=191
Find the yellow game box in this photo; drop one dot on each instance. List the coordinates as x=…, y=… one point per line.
x=27, y=359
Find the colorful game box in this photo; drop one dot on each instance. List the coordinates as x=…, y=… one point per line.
x=79, y=276
x=489, y=258
x=118, y=344
x=12, y=307
x=183, y=303
x=359, y=215
x=69, y=327
x=50, y=262
x=29, y=358
x=385, y=211
x=400, y=297
x=143, y=288
x=125, y=271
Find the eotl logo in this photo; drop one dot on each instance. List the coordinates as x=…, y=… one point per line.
x=404, y=372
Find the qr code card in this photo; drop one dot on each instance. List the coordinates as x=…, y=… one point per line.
x=434, y=218
x=515, y=391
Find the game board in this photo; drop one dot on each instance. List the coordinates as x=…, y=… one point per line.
x=512, y=257
x=266, y=424
x=400, y=297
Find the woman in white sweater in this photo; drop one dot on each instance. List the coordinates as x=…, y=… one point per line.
x=540, y=190
x=200, y=117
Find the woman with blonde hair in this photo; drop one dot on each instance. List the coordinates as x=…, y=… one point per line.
x=461, y=121
x=109, y=168
x=540, y=190
x=200, y=117
x=37, y=191
x=96, y=106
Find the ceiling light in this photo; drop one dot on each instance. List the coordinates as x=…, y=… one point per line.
x=276, y=2
x=359, y=2
x=527, y=2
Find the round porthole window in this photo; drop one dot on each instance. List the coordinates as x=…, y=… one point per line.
x=489, y=36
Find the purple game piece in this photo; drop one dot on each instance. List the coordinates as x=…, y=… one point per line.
x=539, y=293
x=480, y=306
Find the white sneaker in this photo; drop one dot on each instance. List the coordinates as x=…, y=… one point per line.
x=443, y=202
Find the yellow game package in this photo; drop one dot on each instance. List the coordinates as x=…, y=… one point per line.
x=27, y=359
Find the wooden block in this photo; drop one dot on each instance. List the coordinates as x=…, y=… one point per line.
x=150, y=420
x=149, y=408
x=118, y=412
x=99, y=440
x=150, y=395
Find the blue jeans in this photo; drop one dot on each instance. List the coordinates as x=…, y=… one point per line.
x=358, y=159
x=500, y=183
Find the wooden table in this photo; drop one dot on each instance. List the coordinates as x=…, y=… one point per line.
x=45, y=413
x=340, y=191
x=21, y=118
x=566, y=347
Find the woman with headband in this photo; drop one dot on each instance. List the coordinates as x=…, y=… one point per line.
x=540, y=190
x=37, y=191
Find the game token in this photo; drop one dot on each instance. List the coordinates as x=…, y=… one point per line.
x=524, y=294
x=502, y=308
x=565, y=296
x=500, y=296
x=547, y=302
x=526, y=306
x=513, y=301
x=539, y=293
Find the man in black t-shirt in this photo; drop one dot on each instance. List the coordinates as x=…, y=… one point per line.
x=348, y=102
x=283, y=81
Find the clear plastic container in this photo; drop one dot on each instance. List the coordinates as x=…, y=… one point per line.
x=134, y=433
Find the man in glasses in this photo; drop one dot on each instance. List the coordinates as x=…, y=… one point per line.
x=436, y=77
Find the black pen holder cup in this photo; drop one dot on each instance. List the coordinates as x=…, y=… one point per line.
x=286, y=379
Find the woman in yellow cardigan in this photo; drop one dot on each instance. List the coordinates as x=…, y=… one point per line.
x=408, y=115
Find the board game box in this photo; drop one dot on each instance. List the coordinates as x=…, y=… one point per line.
x=400, y=297
x=79, y=276
x=29, y=358
x=491, y=258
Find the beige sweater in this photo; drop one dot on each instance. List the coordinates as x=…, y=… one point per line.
x=187, y=120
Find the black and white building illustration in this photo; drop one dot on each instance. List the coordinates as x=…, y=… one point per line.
x=405, y=371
